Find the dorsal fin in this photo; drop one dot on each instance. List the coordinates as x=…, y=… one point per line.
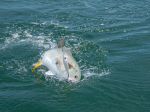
x=61, y=43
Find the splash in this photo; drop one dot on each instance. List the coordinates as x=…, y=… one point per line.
x=90, y=57
x=44, y=41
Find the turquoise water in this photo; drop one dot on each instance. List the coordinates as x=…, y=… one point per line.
x=109, y=39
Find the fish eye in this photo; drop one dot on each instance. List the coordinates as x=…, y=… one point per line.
x=75, y=76
x=65, y=58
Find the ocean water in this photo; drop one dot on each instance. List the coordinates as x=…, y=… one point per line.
x=109, y=39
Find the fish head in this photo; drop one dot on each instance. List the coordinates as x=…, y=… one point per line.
x=74, y=74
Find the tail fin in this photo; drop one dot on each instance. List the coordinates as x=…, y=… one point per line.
x=37, y=65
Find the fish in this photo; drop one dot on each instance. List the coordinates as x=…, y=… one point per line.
x=60, y=62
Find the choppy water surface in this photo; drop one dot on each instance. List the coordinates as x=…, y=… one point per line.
x=109, y=39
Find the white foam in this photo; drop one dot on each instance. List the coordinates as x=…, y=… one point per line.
x=42, y=41
x=88, y=73
x=15, y=35
x=57, y=24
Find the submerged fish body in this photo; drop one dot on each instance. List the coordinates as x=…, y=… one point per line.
x=61, y=63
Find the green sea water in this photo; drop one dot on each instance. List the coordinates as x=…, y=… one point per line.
x=110, y=40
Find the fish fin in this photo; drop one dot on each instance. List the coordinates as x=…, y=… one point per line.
x=61, y=43
x=37, y=65
x=70, y=65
